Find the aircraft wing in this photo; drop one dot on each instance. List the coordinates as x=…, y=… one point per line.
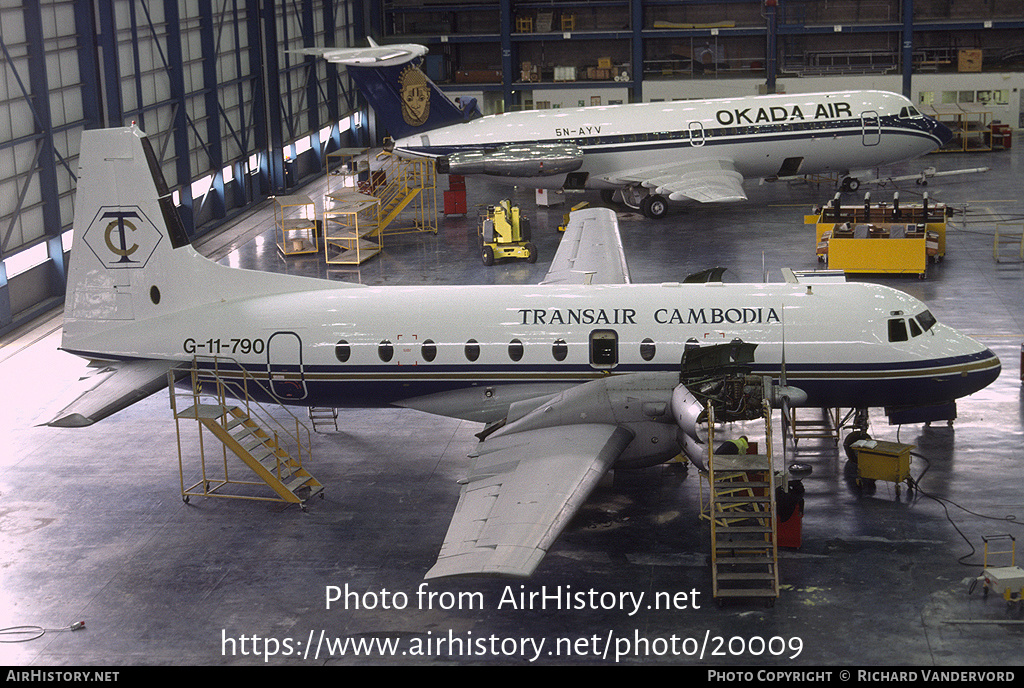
x=113, y=387
x=523, y=488
x=706, y=181
x=590, y=251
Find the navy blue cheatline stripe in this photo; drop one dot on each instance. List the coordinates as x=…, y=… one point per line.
x=966, y=363
x=978, y=360
x=674, y=139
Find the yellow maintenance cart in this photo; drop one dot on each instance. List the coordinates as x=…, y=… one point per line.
x=505, y=233
x=1006, y=581
x=882, y=237
x=887, y=461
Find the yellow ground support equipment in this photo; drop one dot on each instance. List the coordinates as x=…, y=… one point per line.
x=565, y=218
x=1007, y=581
x=505, y=233
x=888, y=461
x=880, y=238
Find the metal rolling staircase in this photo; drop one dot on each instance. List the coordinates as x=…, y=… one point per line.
x=222, y=396
x=410, y=187
x=744, y=551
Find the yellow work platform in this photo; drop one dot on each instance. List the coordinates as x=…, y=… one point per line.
x=880, y=238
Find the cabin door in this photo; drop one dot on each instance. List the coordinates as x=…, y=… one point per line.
x=871, y=128
x=284, y=366
x=604, y=349
x=696, y=134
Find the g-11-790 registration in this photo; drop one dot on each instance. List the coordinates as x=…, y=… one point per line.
x=217, y=347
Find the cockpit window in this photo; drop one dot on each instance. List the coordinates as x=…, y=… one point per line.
x=915, y=329
x=926, y=320
x=909, y=112
x=897, y=330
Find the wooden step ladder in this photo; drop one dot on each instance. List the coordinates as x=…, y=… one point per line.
x=246, y=429
x=744, y=550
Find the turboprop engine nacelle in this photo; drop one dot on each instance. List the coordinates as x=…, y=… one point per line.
x=527, y=160
x=777, y=394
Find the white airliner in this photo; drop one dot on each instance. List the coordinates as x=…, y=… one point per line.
x=573, y=376
x=645, y=154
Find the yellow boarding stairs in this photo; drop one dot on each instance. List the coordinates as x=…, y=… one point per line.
x=365, y=202
x=221, y=396
x=411, y=188
x=741, y=510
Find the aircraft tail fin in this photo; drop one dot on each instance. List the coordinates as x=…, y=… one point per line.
x=131, y=260
x=407, y=101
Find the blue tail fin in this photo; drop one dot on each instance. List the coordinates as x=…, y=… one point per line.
x=407, y=101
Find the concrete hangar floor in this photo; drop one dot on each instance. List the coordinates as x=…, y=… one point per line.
x=93, y=527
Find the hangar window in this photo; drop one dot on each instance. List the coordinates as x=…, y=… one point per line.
x=647, y=349
x=472, y=350
x=559, y=350
x=898, y=330
x=429, y=350
x=342, y=351
x=515, y=350
x=386, y=350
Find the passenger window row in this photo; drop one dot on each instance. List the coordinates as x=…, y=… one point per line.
x=516, y=350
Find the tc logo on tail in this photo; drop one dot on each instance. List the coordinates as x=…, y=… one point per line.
x=122, y=237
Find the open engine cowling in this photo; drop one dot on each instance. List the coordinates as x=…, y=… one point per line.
x=525, y=160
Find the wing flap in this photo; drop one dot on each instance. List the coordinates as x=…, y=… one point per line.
x=521, y=492
x=112, y=388
x=590, y=251
x=706, y=181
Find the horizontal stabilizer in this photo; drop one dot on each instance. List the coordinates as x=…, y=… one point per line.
x=379, y=55
x=114, y=387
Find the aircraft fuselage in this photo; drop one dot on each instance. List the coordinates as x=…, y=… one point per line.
x=763, y=136
x=468, y=351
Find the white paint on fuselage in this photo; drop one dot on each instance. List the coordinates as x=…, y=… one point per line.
x=749, y=142
x=826, y=325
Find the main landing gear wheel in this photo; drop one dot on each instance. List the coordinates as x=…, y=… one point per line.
x=850, y=184
x=855, y=436
x=654, y=206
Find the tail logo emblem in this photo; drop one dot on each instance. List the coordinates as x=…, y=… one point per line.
x=415, y=96
x=122, y=237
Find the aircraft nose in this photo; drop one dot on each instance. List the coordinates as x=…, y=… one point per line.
x=942, y=132
x=989, y=368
